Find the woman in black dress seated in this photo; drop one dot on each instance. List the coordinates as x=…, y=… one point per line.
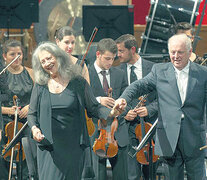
x=20, y=84
x=56, y=115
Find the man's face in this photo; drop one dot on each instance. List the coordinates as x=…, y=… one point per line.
x=179, y=54
x=105, y=60
x=124, y=54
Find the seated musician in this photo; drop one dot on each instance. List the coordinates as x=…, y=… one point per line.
x=20, y=84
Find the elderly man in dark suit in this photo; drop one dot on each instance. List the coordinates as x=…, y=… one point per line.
x=102, y=76
x=181, y=87
x=135, y=68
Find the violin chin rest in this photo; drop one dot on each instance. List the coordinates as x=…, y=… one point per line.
x=100, y=153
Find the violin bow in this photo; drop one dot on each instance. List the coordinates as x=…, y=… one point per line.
x=95, y=30
x=15, y=100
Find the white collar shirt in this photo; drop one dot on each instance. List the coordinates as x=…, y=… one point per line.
x=137, y=70
x=182, y=80
x=98, y=70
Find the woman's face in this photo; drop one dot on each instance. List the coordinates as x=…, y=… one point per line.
x=49, y=63
x=11, y=54
x=67, y=44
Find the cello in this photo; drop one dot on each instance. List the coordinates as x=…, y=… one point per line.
x=106, y=146
x=141, y=129
x=11, y=129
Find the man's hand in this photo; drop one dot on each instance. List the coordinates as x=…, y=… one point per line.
x=141, y=111
x=130, y=115
x=23, y=112
x=120, y=105
x=107, y=102
x=37, y=135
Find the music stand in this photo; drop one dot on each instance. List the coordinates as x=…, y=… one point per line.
x=112, y=21
x=18, y=13
x=16, y=139
x=147, y=138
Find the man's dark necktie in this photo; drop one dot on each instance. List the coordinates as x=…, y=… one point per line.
x=133, y=76
x=105, y=83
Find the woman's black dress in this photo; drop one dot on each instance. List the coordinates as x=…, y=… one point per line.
x=20, y=85
x=65, y=133
x=61, y=119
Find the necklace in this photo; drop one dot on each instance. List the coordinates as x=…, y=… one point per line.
x=57, y=85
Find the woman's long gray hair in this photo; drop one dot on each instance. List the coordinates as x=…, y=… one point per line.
x=66, y=68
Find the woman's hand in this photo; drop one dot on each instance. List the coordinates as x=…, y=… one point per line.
x=37, y=134
x=107, y=102
x=23, y=112
x=11, y=110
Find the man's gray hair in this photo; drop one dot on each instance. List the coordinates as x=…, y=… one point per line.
x=181, y=37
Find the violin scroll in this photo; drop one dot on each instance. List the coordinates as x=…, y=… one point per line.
x=110, y=92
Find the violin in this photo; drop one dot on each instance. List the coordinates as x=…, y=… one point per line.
x=89, y=122
x=11, y=129
x=106, y=146
x=141, y=129
x=90, y=125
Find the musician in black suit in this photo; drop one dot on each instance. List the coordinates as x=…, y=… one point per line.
x=135, y=68
x=102, y=74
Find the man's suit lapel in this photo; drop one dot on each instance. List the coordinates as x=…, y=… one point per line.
x=95, y=80
x=146, y=68
x=112, y=77
x=170, y=76
x=124, y=67
x=191, y=79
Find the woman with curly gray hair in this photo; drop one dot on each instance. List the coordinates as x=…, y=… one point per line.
x=56, y=115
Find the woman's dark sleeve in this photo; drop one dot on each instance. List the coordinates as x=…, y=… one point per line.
x=33, y=107
x=4, y=92
x=4, y=89
x=93, y=107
